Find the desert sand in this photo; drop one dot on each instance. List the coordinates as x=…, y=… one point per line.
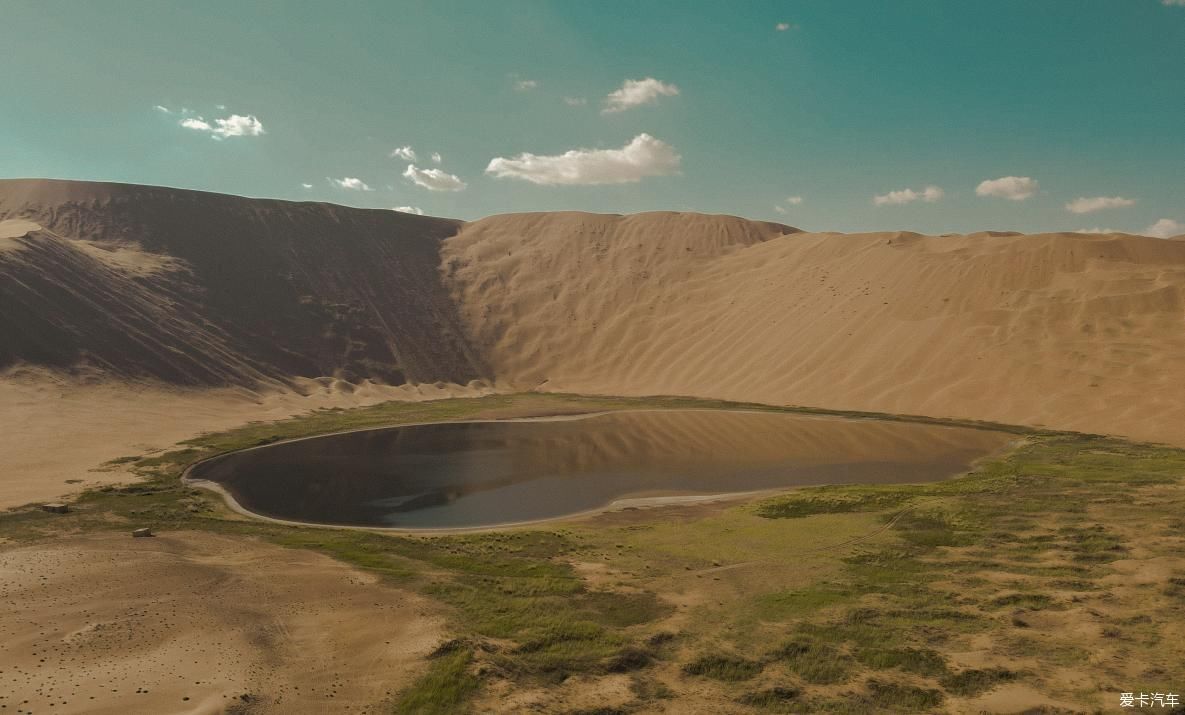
x=136, y=316
x=196, y=623
x=1070, y=331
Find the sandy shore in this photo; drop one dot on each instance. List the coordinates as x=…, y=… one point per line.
x=55, y=436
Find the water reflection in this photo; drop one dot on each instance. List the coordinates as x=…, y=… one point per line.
x=487, y=473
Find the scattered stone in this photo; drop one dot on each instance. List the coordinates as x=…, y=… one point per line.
x=56, y=508
x=142, y=532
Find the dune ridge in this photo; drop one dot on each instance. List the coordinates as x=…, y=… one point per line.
x=1070, y=331
x=193, y=289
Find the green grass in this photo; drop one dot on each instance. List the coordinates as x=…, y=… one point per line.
x=921, y=661
x=971, y=683
x=815, y=662
x=730, y=668
x=900, y=697
x=1042, y=519
x=444, y=689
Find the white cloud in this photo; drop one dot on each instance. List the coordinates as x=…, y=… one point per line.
x=236, y=125
x=783, y=26
x=410, y=210
x=404, y=152
x=1014, y=188
x=351, y=183
x=788, y=201
x=1165, y=228
x=636, y=92
x=643, y=156
x=1096, y=229
x=1178, y=3
x=162, y=108
x=526, y=85
x=436, y=157
x=307, y=186
x=434, y=179
x=575, y=101
x=1084, y=205
x=929, y=194
x=198, y=124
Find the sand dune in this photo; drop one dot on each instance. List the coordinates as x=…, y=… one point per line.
x=204, y=289
x=241, y=302
x=1067, y=330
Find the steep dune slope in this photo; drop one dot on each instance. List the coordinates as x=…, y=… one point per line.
x=205, y=289
x=189, y=288
x=1066, y=330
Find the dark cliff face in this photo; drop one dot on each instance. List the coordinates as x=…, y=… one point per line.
x=206, y=289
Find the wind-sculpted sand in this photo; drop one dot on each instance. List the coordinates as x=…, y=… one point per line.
x=196, y=623
x=1071, y=331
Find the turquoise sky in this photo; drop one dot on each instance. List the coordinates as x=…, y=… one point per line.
x=853, y=100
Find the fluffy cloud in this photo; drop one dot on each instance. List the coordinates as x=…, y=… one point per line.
x=575, y=101
x=351, y=183
x=434, y=179
x=930, y=194
x=636, y=92
x=794, y=200
x=162, y=108
x=1165, y=228
x=404, y=152
x=1084, y=205
x=1014, y=188
x=526, y=85
x=783, y=26
x=307, y=186
x=236, y=125
x=643, y=156
x=410, y=210
x=436, y=157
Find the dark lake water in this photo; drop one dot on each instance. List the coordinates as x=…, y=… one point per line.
x=470, y=474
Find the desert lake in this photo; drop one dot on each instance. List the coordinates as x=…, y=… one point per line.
x=475, y=474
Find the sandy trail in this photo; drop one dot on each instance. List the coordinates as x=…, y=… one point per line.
x=191, y=622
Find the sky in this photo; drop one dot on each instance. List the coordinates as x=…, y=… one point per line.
x=830, y=116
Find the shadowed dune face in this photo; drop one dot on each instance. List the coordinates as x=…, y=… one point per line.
x=197, y=288
x=1065, y=330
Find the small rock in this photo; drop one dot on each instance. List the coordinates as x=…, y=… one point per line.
x=56, y=508
x=142, y=532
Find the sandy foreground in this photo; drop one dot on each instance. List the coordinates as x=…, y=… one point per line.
x=196, y=623
x=55, y=436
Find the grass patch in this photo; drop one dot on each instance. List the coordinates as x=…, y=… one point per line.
x=921, y=661
x=729, y=668
x=900, y=697
x=778, y=698
x=970, y=683
x=784, y=605
x=817, y=663
x=1031, y=601
x=444, y=689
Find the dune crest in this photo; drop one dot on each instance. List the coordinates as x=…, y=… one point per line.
x=1071, y=331
x=1065, y=330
